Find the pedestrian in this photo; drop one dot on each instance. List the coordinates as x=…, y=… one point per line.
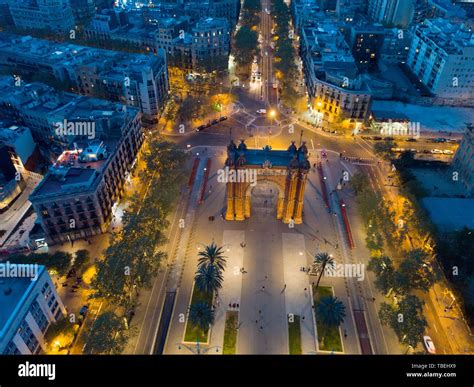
x=259, y=311
x=234, y=305
x=230, y=306
x=305, y=289
x=261, y=327
x=238, y=306
x=256, y=321
x=263, y=288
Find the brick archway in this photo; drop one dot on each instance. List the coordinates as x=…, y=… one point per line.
x=288, y=169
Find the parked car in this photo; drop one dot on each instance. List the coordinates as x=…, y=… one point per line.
x=411, y=139
x=223, y=118
x=448, y=152
x=437, y=151
x=429, y=345
x=84, y=310
x=199, y=128
x=440, y=139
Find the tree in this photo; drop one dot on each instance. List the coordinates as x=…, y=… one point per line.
x=82, y=258
x=359, y=182
x=384, y=149
x=245, y=46
x=107, y=335
x=385, y=272
x=213, y=256
x=416, y=270
x=321, y=260
x=59, y=261
x=201, y=315
x=208, y=278
x=405, y=319
x=330, y=311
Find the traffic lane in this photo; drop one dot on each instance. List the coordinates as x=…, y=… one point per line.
x=434, y=329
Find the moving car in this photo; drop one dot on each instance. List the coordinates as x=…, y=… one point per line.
x=429, y=345
x=262, y=111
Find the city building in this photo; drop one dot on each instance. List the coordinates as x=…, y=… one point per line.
x=83, y=11
x=136, y=80
x=198, y=45
x=18, y=156
x=29, y=306
x=366, y=42
x=463, y=161
x=53, y=15
x=395, y=46
x=211, y=44
x=304, y=13
x=441, y=55
x=6, y=19
x=18, y=143
x=337, y=93
x=468, y=6
x=98, y=143
x=392, y=13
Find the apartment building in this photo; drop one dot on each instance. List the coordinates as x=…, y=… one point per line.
x=99, y=141
x=28, y=309
x=441, y=55
x=463, y=161
x=338, y=94
x=135, y=80
x=53, y=15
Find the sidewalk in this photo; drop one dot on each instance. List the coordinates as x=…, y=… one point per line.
x=297, y=299
x=232, y=285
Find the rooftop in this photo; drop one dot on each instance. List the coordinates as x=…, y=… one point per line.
x=66, y=55
x=451, y=37
x=13, y=294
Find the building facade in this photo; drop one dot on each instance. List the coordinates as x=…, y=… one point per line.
x=287, y=169
x=136, y=80
x=28, y=309
x=463, y=161
x=366, y=42
x=53, y=15
x=392, y=13
x=338, y=94
x=441, y=55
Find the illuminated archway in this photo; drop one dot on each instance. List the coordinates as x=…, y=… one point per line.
x=288, y=169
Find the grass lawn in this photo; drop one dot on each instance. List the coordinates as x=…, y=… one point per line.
x=329, y=339
x=230, y=333
x=194, y=333
x=294, y=335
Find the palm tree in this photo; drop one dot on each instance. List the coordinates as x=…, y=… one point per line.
x=201, y=315
x=321, y=260
x=330, y=311
x=213, y=256
x=208, y=278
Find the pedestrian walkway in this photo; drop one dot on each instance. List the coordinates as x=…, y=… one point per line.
x=296, y=288
x=232, y=285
